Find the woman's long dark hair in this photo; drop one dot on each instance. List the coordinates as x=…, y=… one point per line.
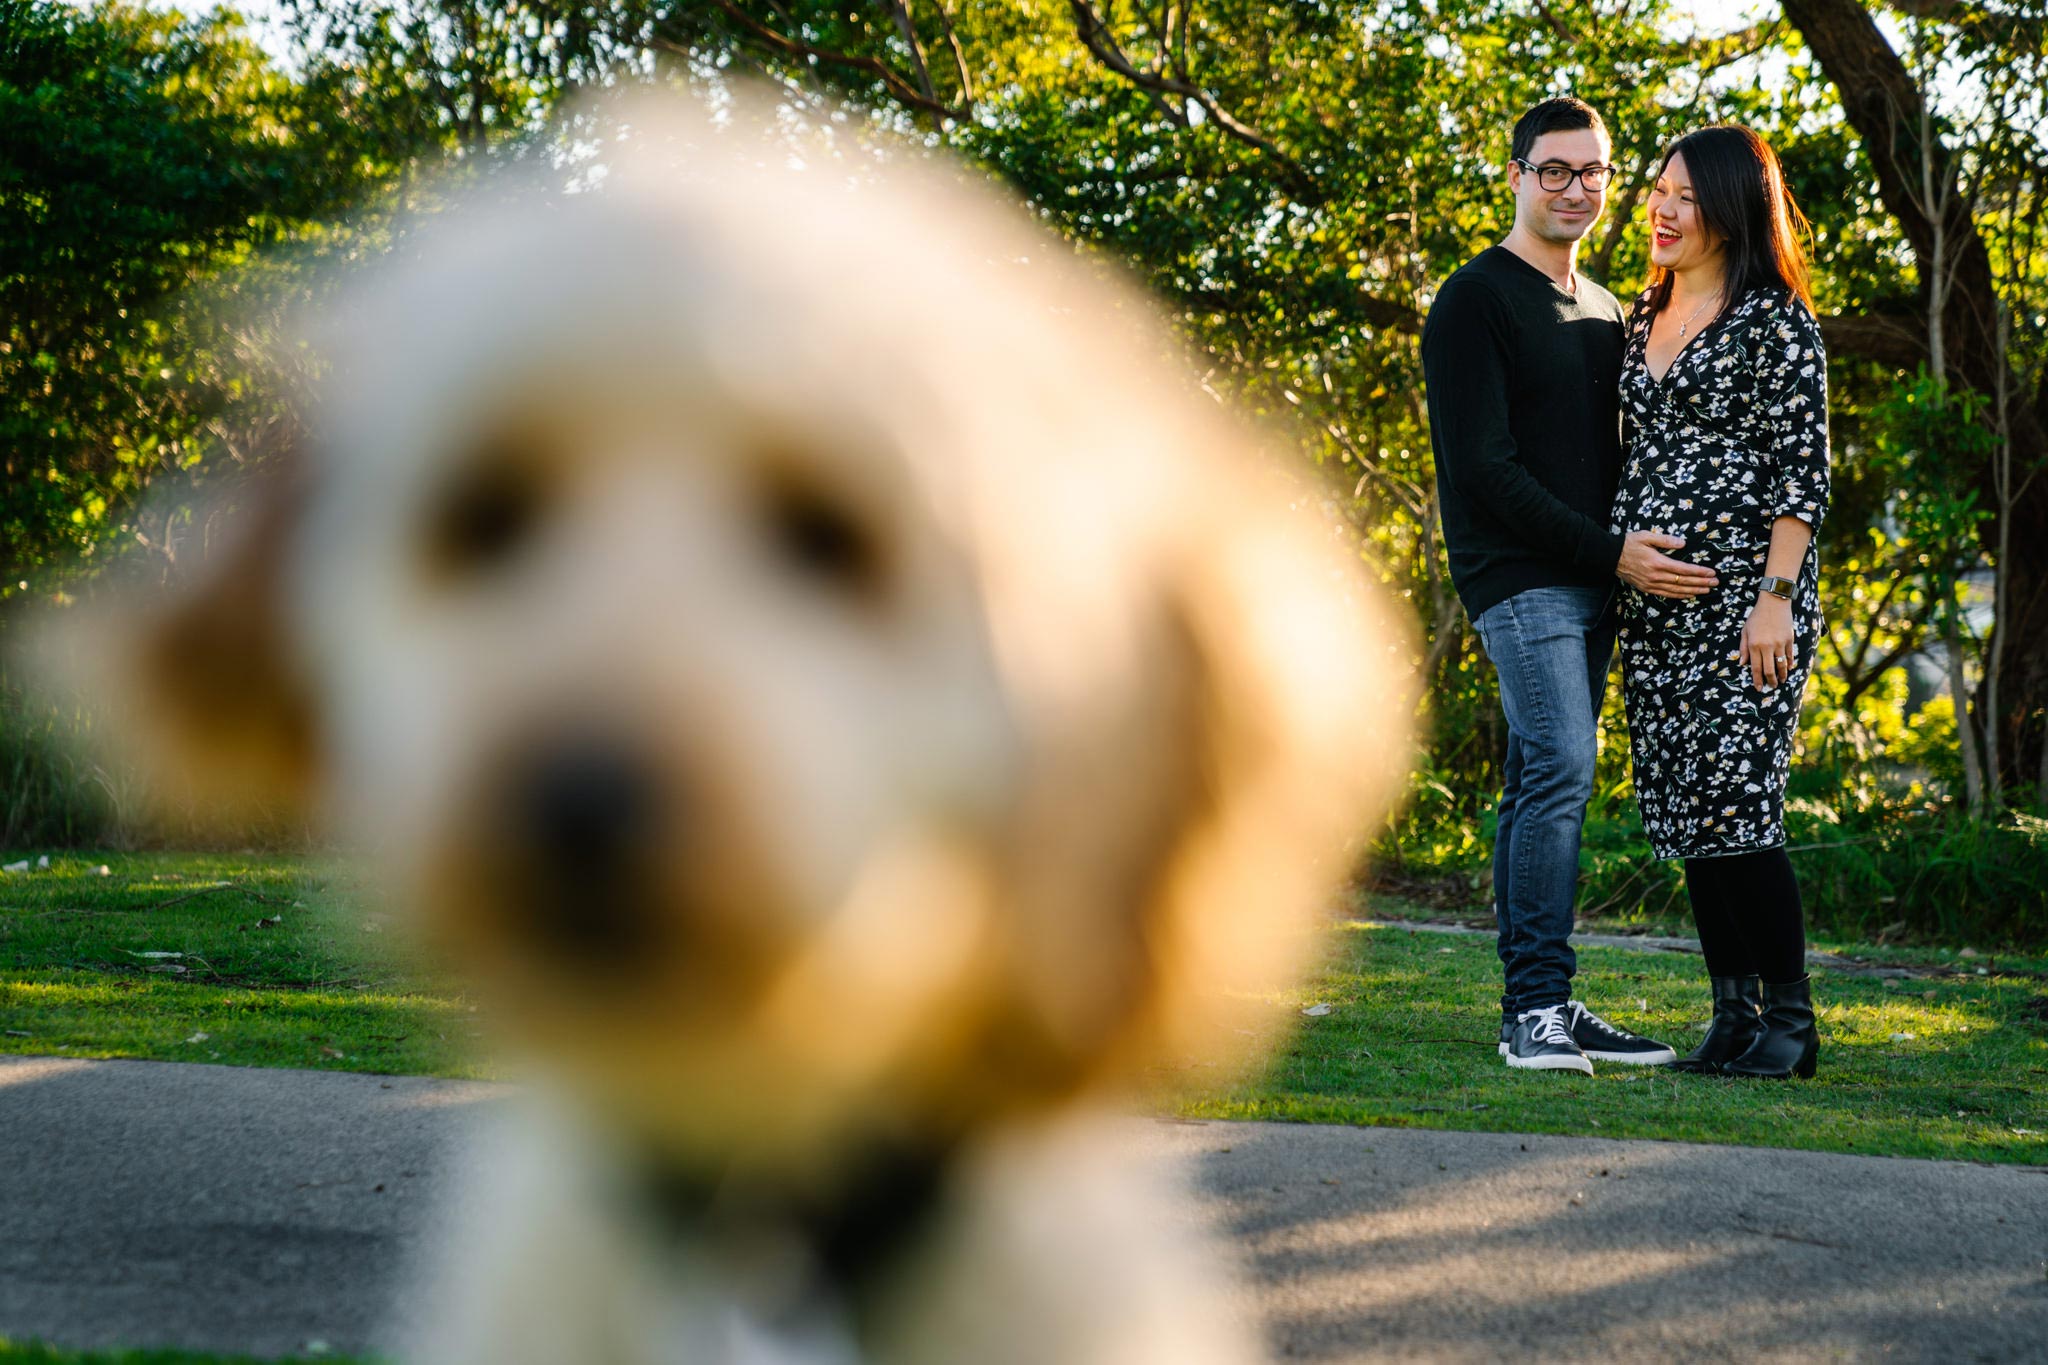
x=1742, y=200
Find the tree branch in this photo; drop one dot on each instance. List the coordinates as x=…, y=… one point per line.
x=1560, y=30
x=1897, y=341
x=1600, y=263
x=1387, y=314
x=1094, y=33
x=1711, y=54
x=1980, y=22
x=1886, y=107
x=906, y=28
x=959, y=54
x=899, y=87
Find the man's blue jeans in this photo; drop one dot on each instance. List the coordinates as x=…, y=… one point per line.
x=1551, y=647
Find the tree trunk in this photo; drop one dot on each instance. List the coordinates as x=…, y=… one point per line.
x=1886, y=108
x=1959, y=693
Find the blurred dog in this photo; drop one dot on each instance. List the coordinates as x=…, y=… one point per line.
x=847, y=702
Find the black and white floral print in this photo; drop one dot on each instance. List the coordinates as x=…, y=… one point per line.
x=1732, y=437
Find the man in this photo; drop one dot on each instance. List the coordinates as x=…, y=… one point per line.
x=1522, y=359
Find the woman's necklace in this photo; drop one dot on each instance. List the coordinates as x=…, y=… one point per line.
x=1715, y=297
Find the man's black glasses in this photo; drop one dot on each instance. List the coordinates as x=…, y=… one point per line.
x=1556, y=178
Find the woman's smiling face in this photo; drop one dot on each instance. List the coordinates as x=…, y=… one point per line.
x=1679, y=237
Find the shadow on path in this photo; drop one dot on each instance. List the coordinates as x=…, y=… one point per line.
x=1392, y=1243
x=219, y=1208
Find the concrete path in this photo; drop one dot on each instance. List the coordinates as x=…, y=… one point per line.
x=267, y=1211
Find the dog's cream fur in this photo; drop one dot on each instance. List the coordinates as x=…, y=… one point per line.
x=1006, y=727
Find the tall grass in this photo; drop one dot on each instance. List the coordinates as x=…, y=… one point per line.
x=1931, y=873
x=54, y=793
x=64, y=791
x=1875, y=858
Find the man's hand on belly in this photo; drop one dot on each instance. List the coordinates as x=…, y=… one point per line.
x=1645, y=568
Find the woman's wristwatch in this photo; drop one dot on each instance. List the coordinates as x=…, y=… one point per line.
x=1779, y=587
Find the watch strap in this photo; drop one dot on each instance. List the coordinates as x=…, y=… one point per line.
x=1779, y=587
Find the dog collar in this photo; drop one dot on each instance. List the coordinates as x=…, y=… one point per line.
x=854, y=1237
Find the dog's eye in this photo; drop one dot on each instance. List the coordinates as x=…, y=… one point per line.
x=482, y=520
x=822, y=539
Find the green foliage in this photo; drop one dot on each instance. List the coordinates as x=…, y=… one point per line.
x=1884, y=846
x=1924, y=439
x=1904, y=865
x=1897, y=862
x=144, y=152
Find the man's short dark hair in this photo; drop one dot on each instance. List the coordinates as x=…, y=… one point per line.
x=1559, y=115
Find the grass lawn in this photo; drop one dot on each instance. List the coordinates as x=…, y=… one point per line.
x=1953, y=1066
x=35, y=1353
x=246, y=960
x=262, y=960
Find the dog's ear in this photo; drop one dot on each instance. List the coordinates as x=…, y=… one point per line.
x=1179, y=883
x=200, y=682
x=1296, y=734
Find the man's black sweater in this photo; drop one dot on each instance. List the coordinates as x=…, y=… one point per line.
x=1525, y=417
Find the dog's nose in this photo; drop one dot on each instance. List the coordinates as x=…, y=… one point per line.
x=587, y=815
x=586, y=806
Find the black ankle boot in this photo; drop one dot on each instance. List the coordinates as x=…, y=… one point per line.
x=1738, y=1001
x=1789, y=1041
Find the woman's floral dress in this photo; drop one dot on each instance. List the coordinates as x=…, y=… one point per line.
x=1733, y=436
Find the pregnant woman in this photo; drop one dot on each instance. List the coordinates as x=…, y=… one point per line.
x=1724, y=392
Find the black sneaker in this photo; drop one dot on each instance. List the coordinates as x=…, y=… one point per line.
x=1604, y=1042
x=1541, y=1041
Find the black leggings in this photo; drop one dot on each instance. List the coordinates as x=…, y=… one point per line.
x=1750, y=919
